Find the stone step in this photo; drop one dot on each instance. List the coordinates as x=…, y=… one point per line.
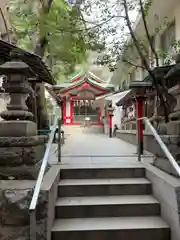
x=130, y=228
x=104, y=187
x=103, y=172
x=103, y=206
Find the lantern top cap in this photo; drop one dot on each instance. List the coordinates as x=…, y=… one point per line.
x=16, y=66
x=140, y=84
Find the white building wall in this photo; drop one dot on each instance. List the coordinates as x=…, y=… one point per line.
x=177, y=19
x=117, y=114
x=171, y=11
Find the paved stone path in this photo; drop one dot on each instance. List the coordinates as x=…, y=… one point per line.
x=93, y=148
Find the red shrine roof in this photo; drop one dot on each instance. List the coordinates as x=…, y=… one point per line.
x=82, y=86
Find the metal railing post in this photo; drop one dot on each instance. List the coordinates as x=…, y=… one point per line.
x=62, y=139
x=59, y=140
x=32, y=228
x=138, y=141
x=138, y=134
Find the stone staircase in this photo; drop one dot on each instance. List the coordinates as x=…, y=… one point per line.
x=104, y=203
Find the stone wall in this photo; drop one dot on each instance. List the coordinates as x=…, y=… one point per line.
x=15, y=198
x=151, y=145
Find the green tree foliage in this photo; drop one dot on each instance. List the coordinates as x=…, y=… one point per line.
x=63, y=28
x=115, y=30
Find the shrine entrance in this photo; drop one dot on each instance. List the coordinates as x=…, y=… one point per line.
x=78, y=96
x=83, y=109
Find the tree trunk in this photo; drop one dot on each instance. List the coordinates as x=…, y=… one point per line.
x=42, y=115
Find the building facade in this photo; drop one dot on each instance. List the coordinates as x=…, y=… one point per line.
x=164, y=16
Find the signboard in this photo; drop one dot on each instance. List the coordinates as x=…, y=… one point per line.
x=74, y=2
x=85, y=94
x=71, y=2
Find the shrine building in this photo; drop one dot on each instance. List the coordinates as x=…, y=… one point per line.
x=77, y=98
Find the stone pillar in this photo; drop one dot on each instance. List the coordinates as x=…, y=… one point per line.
x=21, y=149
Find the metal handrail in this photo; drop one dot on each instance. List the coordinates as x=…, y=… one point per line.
x=38, y=184
x=162, y=145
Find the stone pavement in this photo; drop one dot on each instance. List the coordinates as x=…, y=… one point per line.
x=93, y=148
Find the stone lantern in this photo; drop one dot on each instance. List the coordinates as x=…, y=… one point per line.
x=18, y=87
x=110, y=111
x=139, y=91
x=20, y=147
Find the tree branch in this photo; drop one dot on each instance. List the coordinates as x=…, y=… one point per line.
x=42, y=42
x=95, y=23
x=135, y=41
x=133, y=64
x=147, y=33
x=86, y=29
x=144, y=61
x=5, y=24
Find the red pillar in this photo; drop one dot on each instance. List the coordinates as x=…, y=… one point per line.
x=72, y=111
x=140, y=101
x=64, y=110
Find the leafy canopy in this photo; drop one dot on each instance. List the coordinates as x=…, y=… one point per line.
x=63, y=28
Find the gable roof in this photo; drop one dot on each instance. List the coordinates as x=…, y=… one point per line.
x=79, y=78
x=72, y=85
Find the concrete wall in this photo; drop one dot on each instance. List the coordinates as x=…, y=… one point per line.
x=166, y=189
x=151, y=145
x=50, y=185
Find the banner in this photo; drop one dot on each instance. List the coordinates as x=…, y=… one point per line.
x=74, y=2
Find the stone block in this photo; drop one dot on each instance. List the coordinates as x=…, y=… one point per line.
x=23, y=172
x=17, y=128
x=11, y=156
x=32, y=155
x=15, y=156
x=14, y=207
x=15, y=197
x=21, y=162
x=173, y=128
